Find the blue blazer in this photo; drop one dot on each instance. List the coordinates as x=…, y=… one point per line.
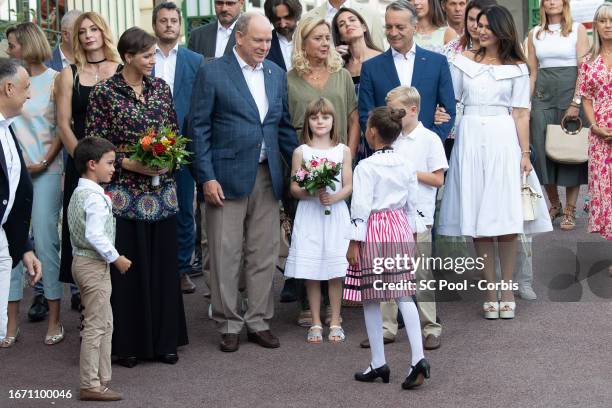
x=226, y=130
x=55, y=63
x=187, y=65
x=276, y=55
x=17, y=225
x=431, y=77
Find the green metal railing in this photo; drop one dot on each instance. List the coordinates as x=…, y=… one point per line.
x=119, y=14
x=195, y=14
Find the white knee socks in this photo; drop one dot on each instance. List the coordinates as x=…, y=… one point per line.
x=413, y=329
x=373, y=321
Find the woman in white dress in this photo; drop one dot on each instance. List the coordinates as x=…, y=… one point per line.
x=483, y=189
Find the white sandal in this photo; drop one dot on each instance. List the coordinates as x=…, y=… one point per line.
x=507, y=310
x=315, y=334
x=337, y=332
x=491, y=310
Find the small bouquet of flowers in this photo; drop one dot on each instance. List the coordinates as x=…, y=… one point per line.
x=318, y=173
x=162, y=149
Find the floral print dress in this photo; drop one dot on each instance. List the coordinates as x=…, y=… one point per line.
x=115, y=113
x=595, y=83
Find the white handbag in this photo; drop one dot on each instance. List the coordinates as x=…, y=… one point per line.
x=529, y=198
x=567, y=147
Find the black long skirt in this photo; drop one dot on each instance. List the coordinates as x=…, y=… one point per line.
x=148, y=312
x=71, y=181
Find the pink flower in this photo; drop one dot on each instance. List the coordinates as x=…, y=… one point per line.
x=301, y=174
x=323, y=160
x=314, y=163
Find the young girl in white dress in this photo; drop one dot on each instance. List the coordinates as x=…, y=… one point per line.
x=318, y=247
x=383, y=221
x=482, y=197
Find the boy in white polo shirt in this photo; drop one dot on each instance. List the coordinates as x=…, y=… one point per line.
x=424, y=149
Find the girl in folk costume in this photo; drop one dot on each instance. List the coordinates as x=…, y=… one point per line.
x=318, y=246
x=383, y=221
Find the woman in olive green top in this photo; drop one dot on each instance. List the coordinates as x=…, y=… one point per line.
x=317, y=72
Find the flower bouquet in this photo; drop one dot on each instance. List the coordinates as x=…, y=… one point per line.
x=162, y=149
x=317, y=173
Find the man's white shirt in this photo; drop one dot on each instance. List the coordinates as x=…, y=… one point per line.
x=255, y=80
x=165, y=67
x=223, y=36
x=286, y=47
x=404, y=64
x=13, y=165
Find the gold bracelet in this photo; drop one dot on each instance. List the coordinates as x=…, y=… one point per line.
x=526, y=152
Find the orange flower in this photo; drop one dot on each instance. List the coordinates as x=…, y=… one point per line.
x=145, y=142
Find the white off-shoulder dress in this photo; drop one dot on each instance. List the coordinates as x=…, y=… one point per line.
x=482, y=195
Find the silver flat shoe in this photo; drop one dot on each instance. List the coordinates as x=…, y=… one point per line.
x=56, y=338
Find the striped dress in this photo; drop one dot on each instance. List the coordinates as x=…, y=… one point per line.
x=383, y=220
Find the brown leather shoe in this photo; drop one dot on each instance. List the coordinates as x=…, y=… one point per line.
x=432, y=342
x=101, y=394
x=229, y=342
x=264, y=338
x=366, y=343
x=187, y=286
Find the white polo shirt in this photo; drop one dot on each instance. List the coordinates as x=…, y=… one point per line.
x=424, y=150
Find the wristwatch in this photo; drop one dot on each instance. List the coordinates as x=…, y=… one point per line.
x=577, y=101
x=45, y=163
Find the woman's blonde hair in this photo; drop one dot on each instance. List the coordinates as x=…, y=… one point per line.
x=566, y=20
x=299, y=60
x=324, y=107
x=35, y=48
x=406, y=95
x=110, y=52
x=603, y=11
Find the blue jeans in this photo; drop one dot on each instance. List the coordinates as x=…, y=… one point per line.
x=46, y=208
x=185, y=226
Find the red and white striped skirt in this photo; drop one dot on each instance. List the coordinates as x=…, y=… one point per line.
x=389, y=236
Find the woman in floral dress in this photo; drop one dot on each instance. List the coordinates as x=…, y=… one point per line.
x=148, y=312
x=595, y=84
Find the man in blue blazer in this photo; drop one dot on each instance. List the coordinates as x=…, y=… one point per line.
x=240, y=126
x=407, y=64
x=15, y=188
x=284, y=15
x=178, y=66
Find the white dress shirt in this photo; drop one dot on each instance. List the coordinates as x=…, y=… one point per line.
x=98, y=207
x=404, y=64
x=223, y=36
x=332, y=11
x=165, y=67
x=13, y=165
x=254, y=78
x=424, y=150
x=65, y=61
x=286, y=47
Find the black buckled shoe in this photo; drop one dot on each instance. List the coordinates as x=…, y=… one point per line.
x=417, y=376
x=383, y=372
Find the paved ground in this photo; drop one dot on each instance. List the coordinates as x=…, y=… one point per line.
x=554, y=354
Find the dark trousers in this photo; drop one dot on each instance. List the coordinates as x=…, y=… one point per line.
x=185, y=226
